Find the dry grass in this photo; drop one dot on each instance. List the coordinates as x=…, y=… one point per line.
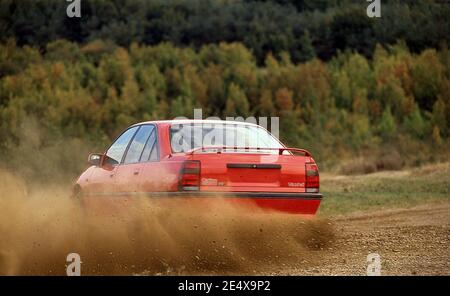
x=386, y=189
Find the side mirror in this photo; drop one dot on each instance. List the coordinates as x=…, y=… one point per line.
x=95, y=159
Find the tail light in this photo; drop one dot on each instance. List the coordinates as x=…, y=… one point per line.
x=312, y=177
x=190, y=176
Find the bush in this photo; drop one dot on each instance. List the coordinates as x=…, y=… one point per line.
x=389, y=161
x=358, y=166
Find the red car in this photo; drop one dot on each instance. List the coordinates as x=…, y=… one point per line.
x=189, y=159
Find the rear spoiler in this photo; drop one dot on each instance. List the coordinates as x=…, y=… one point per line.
x=221, y=148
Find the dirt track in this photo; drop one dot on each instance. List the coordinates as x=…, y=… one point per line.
x=409, y=241
x=37, y=232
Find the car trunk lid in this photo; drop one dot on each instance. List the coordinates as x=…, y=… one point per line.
x=252, y=171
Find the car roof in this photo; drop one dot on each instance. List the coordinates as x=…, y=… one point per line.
x=203, y=121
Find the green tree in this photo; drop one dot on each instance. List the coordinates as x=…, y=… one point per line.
x=237, y=103
x=387, y=126
x=415, y=124
x=307, y=51
x=427, y=74
x=439, y=118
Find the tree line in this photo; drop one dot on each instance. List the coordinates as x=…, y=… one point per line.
x=84, y=95
x=305, y=29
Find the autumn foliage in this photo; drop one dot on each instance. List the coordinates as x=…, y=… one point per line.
x=83, y=95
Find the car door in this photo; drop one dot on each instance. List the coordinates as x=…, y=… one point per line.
x=102, y=180
x=156, y=175
x=128, y=172
x=101, y=189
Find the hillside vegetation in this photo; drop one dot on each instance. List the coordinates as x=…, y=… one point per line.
x=303, y=28
x=368, y=95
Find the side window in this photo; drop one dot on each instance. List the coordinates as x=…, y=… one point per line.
x=137, y=145
x=117, y=149
x=150, y=152
x=154, y=155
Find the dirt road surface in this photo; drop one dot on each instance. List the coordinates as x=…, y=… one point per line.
x=414, y=241
x=38, y=230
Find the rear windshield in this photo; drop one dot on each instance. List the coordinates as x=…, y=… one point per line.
x=184, y=137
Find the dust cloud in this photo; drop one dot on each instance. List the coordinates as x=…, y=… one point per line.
x=145, y=236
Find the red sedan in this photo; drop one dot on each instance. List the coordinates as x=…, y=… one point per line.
x=203, y=160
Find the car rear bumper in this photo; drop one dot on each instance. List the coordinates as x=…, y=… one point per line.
x=293, y=203
x=274, y=195
x=287, y=202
